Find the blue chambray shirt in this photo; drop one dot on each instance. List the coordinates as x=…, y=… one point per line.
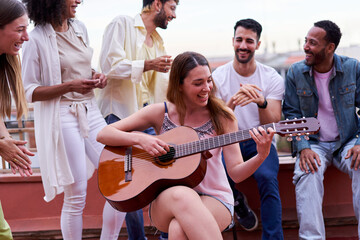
x=301, y=98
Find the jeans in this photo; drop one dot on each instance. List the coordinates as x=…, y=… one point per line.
x=266, y=178
x=309, y=189
x=134, y=220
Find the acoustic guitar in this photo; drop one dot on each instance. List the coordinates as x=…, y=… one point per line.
x=129, y=178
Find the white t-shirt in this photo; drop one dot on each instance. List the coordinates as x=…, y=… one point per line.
x=228, y=82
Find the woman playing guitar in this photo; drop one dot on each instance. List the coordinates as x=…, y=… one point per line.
x=204, y=211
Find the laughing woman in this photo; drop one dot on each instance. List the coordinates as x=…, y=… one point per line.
x=206, y=210
x=59, y=79
x=13, y=25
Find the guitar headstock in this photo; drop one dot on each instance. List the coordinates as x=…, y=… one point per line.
x=297, y=127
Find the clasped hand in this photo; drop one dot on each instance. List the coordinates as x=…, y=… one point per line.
x=16, y=154
x=248, y=93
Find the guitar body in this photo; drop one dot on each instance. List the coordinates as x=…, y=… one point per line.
x=148, y=176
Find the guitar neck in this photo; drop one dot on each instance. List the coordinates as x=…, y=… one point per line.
x=190, y=148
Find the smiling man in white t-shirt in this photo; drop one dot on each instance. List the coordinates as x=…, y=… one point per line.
x=254, y=91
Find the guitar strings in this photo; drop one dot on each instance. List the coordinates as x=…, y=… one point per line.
x=198, y=146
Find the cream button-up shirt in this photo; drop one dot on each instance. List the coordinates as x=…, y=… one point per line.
x=119, y=60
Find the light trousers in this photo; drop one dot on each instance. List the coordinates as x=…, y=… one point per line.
x=78, y=149
x=309, y=189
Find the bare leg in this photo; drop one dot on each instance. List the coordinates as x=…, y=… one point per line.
x=193, y=214
x=177, y=233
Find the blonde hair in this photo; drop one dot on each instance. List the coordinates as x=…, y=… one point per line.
x=10, y=67
x=181, y=66
x=11, y=83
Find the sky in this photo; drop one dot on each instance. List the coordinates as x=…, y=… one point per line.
x=206, y=26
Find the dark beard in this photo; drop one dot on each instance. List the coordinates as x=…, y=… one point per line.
x=318, y=58
x=160, y=19
x=243, y=60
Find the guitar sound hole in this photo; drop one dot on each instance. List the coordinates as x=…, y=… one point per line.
x=167, y=158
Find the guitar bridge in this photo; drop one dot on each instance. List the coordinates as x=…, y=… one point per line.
x=128, y=164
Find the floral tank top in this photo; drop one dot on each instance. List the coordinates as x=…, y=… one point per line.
x=215, y=182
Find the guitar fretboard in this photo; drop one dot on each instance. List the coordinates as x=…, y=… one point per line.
x=214, y=142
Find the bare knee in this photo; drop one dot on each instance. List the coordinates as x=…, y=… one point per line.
x=173, y=203
x=181, y=196
x=176, y=231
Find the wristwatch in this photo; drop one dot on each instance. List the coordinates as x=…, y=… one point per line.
x=264, y=104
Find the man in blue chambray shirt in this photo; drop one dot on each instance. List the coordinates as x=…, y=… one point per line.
x=325, y=86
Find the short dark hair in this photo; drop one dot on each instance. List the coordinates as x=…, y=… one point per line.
x=42, y=12
x=149, y=2
x=333, y=33
x=249, y=24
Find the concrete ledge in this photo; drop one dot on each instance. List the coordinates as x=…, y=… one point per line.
x=30, y=217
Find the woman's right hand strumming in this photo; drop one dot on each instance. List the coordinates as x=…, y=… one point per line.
x=152, y=145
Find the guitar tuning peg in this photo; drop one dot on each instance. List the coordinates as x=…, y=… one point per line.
x=307, y=136
x=298, y=138
x=289, y=139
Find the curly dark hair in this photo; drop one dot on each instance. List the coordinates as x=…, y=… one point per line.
x=42, y=12
x=333, y=33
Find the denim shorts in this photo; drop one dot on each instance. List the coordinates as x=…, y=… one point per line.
x=227, y=205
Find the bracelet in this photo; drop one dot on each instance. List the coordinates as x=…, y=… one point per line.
x=264, y=104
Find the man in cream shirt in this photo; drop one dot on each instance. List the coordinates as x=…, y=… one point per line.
x=134, y=59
